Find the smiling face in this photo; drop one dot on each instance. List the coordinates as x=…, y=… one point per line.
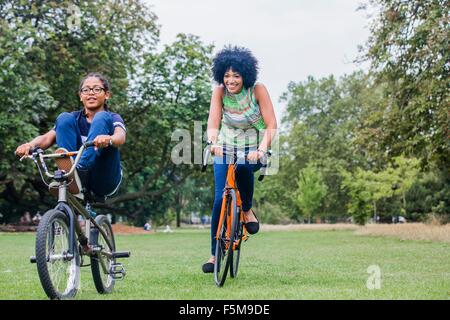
x=91, y=100
x=233, y=81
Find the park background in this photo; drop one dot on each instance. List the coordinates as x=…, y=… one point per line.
x=360, y=90
x=366, y=140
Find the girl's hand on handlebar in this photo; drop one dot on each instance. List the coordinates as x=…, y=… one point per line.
x=24, y=149
x=102, y=141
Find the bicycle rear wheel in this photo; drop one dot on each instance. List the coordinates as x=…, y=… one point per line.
x=102, y=262
x=58, y=270
x=224, y=244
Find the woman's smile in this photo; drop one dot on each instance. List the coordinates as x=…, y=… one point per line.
x=233, y=81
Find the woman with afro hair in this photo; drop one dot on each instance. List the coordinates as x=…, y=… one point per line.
x=243, y=110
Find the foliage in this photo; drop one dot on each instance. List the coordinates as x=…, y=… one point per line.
x=47, y=47
x=428, y=194
x=171, y=92
x=319, y=127
x=364, y=132
x=361, y=194
x=408, y=49
x=311, y=190
x=367, y=187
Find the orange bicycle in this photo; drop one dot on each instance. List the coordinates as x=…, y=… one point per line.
x=231, y=231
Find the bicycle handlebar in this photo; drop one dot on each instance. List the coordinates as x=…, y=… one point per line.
x=88, y=144
x=207, y=154
x=39, y=153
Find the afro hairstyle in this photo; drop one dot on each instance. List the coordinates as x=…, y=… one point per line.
x=240, y=59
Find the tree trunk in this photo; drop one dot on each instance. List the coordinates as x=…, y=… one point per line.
x=178, y=209
x=374, y=212
x=404, y=202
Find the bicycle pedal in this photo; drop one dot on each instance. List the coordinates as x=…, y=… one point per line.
x=117, y=271
x=97, y=248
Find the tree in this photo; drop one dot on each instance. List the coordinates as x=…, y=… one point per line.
x=311, y=190
x=47, y=46
x=320, y=126
x=408, y=50
x=170, y=92
x=404, y=172
x=429, y=194
x=25, y=102
x=367, y=188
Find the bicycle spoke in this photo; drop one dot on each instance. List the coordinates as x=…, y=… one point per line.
x=59, y=275
x=103, y=265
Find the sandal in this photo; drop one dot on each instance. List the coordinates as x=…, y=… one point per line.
x=208, y=267
x=252, y=227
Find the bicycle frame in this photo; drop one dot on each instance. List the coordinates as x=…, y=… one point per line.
x=231, y=184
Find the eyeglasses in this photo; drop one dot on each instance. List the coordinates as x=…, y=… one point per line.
x=95, y=90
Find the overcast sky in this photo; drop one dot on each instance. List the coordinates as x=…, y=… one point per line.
x=291, y=38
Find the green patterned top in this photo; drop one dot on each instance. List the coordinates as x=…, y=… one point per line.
x=241, y=119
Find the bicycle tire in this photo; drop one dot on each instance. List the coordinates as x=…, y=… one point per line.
x=239, y=232
x=52, y=246
x=104, y=282
x=224, y=254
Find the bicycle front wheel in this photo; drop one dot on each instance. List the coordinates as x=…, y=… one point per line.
x=59, y=271
x=102, y=262
x=224, y=244
x=238, y=234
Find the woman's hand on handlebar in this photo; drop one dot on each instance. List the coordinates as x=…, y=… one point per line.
x=216, y=150
x=255, y=155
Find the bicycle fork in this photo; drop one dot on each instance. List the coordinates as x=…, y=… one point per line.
x=73, y=227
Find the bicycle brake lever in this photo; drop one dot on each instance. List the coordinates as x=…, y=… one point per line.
x=24, y=157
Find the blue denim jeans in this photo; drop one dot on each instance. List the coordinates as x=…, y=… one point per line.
x=245, y=183
x=104, y=167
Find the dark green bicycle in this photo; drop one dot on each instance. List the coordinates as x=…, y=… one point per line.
x=62, y=243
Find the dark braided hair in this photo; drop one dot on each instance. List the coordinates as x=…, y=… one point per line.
x=100, y=77
x=241, y=60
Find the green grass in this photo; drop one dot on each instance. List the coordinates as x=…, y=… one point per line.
x=274, y=265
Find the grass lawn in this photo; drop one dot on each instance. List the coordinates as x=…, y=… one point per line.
x=274, y=265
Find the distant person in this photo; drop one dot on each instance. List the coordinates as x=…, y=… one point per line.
x=37, y=218
x=26, y=218
x=241, y=107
